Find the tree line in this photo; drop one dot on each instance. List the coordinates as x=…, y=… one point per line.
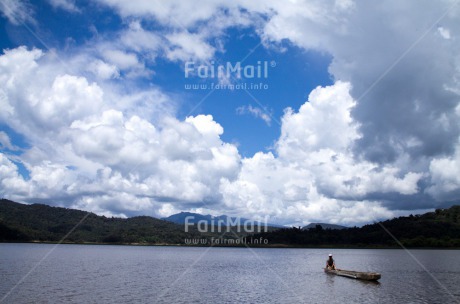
x=43, y=223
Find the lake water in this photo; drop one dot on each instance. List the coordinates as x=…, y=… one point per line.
x=130, y=274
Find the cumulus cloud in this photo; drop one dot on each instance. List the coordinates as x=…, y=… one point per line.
x=385, y=68
x=446, y=181
x=389, y=76
x=12, y=184
x=405, y=83
x=181, y=16
x=86, y=146
x=347, y=30
x=186, y=33
x=444, y=173
x=383, y=138
x=322, y=122
x=93, y=153
x=315, y=174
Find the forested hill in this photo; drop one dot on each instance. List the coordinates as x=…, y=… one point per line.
x=43, y=223
x=19, y=222
x=434, y=229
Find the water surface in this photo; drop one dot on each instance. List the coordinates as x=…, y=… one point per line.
x=131, y=274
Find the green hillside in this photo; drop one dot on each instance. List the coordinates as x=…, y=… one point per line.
x=43, y=223
x=434, y=229
x=19, y=222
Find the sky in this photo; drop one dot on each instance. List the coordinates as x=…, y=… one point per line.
x=345, y=112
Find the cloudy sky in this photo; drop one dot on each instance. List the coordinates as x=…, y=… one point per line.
x=342, y=111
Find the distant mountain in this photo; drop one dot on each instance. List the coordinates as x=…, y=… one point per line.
x=324, y=226
x=224, y=220
x=193, y=218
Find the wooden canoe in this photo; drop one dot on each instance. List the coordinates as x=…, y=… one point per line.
x=368, y=276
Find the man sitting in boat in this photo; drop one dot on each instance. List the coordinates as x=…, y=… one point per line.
x=330, y=263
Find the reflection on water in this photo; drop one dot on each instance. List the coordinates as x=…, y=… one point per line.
x=106, y=274
x=329, y=281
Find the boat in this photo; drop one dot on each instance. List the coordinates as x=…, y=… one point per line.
x=368, y=276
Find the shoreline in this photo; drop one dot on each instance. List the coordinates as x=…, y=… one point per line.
x=274, y=246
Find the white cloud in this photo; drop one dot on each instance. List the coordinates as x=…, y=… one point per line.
x=388, y=120
x=181, y=160
x=445, y=33
x=17, y=11
x=140, y=40
x=86, y=141
x=12, y=184
x=104, y=70
x=70, y=98
x=316, y=176
x=179, y=14
x=5, y=142
x=444, y=173
x=322, y=122
x=186, y=33
x=188, y=46
x=121, y=59
x=353, y=152
x=68, y=5
x=114, y=204
x=256, y=112
x=94, y=149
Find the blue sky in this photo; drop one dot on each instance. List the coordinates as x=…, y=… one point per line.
x=289, y=82
x=358, y=120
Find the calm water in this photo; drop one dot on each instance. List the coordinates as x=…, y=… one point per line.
x=125, y=274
